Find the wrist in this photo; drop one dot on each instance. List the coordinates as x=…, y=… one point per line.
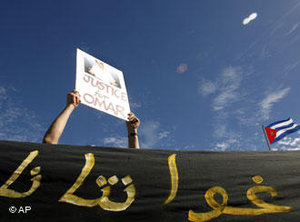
x=70, y=107
x=132, y=132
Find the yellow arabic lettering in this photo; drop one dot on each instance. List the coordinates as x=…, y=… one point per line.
x=267, y=207
x=174, y=178
x=103, y=201
x=218, y=209
x=6, y=192
x=109, y=205
x=70, y=197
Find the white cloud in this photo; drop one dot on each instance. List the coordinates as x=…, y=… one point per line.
x=251, y=17
x=291, y=67
x=222, y=146
x=207, y=87
x=149, y=130
x=273, y=97
x=293, y=29
x=226, y=137
x=16, y=121
x=288, y=143
x=230, y=141
x=220, y=130
x=135, y=105
x=163, y=134
x=116, y=141
x=189, y=146
x=226, y=90
x=225, y=87
x=153, y=134
x=230, y=82
x=223, y=100
x=292, y=149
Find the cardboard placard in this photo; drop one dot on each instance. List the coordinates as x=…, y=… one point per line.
x=101, y=86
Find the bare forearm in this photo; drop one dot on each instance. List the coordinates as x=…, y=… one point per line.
x=57, y=127
x=133, y=140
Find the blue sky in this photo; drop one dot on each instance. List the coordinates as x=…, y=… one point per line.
x=196, y=76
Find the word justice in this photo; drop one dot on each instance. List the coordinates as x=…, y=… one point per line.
x=106, y=88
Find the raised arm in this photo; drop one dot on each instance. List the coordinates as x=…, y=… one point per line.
x=132, y=125
x=57, y=127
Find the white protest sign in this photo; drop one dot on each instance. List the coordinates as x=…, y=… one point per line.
x=101, y=86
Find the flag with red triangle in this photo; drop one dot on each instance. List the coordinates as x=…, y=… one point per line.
x=277, y=130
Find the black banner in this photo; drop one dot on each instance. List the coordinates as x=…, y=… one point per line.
x=40, y=182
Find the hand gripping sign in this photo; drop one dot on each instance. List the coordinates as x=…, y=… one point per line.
x=101, y=86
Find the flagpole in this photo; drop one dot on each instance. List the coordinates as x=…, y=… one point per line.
x=269, y=145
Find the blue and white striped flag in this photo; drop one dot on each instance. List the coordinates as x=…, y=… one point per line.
x=276, y=131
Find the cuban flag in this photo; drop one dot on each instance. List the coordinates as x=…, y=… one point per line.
x=276, y=131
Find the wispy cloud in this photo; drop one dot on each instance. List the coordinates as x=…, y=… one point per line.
x=16, y=121
x=291, y=67
x=288, y=143
x=226, y=137
x=225, y=87
x=207, y=87
x=135, y=105
x=250, y=18
x=181, y=68
x=225, y=91
x=252, y=47
x=293, y=29
x=237, y=104
x=189, y=147
x=163, y=134
x=153, y=134
x=222, y=146
x=117, y=141
x=275, y=37
x=271, y=98
x=279, y=22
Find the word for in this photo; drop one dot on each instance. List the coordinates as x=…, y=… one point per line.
x=99, y=95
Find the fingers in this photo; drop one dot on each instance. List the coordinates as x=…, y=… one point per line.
x=77, y=96
x=133, y=121
x=78, y=100
x=76, y=93
x=131, y=117
x=73, y=98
